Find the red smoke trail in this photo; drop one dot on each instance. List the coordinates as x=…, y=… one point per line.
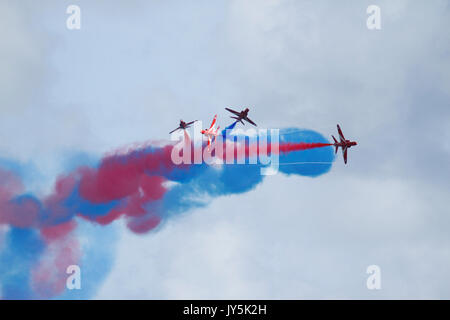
x=48, y=276
x=288, y=147
x=136, y=179
x=249, y=151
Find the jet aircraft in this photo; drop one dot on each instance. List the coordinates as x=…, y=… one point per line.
x=239, y=116
x=183, y=125
x=211, y=133
x=344, y=144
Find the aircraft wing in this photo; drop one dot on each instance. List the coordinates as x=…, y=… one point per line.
x=344, y=153
x=232, y=111
x=341, y=135
x=248, y=119
x=213, y=122
x=189, y=123
x=174, y=130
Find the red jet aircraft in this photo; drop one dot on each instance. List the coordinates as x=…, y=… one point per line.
x=183, y=125
x=211, y=133
x=239, y=116
x=344, y=144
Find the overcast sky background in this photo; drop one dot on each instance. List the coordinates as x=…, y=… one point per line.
x=136, y=67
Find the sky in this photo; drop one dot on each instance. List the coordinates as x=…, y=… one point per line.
x=136, y=67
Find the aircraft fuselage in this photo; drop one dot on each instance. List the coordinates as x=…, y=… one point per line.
x=346, y=143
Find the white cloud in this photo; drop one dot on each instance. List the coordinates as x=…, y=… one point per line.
x=291, y=238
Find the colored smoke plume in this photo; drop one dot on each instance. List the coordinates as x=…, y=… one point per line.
x=142, y=186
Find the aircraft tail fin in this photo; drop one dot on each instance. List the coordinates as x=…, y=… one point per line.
x=335, y=141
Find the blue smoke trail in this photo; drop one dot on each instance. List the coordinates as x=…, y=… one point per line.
x=191, y=188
